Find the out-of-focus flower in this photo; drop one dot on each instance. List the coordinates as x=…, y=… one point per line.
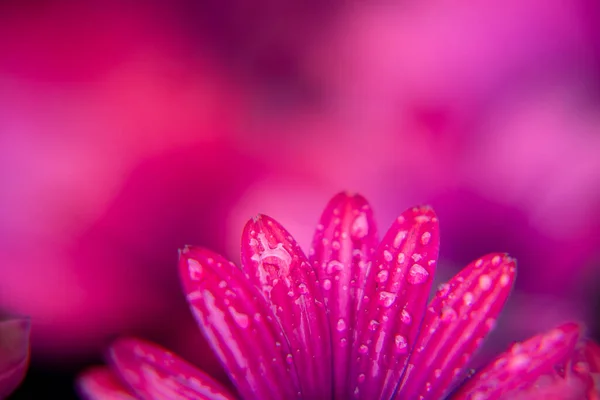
x=14, y=354
x=348, y=321
x=101, y=102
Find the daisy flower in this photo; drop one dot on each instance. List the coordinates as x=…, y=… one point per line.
x=350, y=321
x=14, y=353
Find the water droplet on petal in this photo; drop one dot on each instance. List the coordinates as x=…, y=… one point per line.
x=341, y=325
x=387, y=255
x=239, y=318
x=405, y=317
x=334, y=266
x=496, y=261
x=448, y=314
x=363, y=349
x=303, y=288
x=468, y=298
x=443, y=289
x=425, y=237
x=401, y=344
x=401, y=258
x=386, y=299
x=382, y=276
x=485, y=282
x=326, y=284
x=504, y=279
x=360, y=226
x=400, y=236
x=518, y=362
x=417, y=274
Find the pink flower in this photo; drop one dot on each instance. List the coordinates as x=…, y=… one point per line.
x=348, y=321
x=14, y=354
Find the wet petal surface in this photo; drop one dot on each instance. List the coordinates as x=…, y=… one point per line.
x=279, y=269
x=344, y=242
x=393, y=303
x=101, y=383
x=521, y=365
x=460, y=315
x=239, y=326
x=156, y=374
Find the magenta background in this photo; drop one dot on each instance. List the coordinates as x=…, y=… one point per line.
x=129, y=130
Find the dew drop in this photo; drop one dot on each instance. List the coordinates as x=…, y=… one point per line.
x=194, y=269
x=417, y=257
x=496, y=261
x=382, y=276
x=504, y=279
x=425, y=238
x=334, y=266
x=387, y=255
x=386, y=299
x=443, y=289
x=401, y=344
x=478, y=263
x=448, y=314
x=485, y=282
x=400, y=236
x=417, y=274
x=405, y=317
x=468, y=298
x=373, y=325
x=240, y=319
x=518, y=362
x=362, y=349
x=361, y=378
x=326, y=284
x=401, y=258
x=303, y=288
x=341, y=325
x=289, y=359
x=360, y=226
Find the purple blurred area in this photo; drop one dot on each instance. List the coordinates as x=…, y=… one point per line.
x=129, y=129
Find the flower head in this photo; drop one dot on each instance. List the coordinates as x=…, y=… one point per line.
x=351, y=320
x=14, y=353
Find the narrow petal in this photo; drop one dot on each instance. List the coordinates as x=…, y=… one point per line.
x=521, y=365
x=157, y=374
x=592, y=358
x=567, y=380
x=279, y=268
x=239, y=326
x=101, y=383
x=14, y=353
x=460, y=315
x=391, y=310
x=344, y=241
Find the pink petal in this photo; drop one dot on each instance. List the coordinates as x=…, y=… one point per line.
x=460, y=315
x=101, y=383
x=278, y=267
x=522, y=364
x=14, y=353
x=345, y=240
x=567, y=380
x=397, y=287
x=239, y=326
x=156, y=374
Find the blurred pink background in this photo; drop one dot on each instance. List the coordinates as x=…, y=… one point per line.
x=129, y=129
